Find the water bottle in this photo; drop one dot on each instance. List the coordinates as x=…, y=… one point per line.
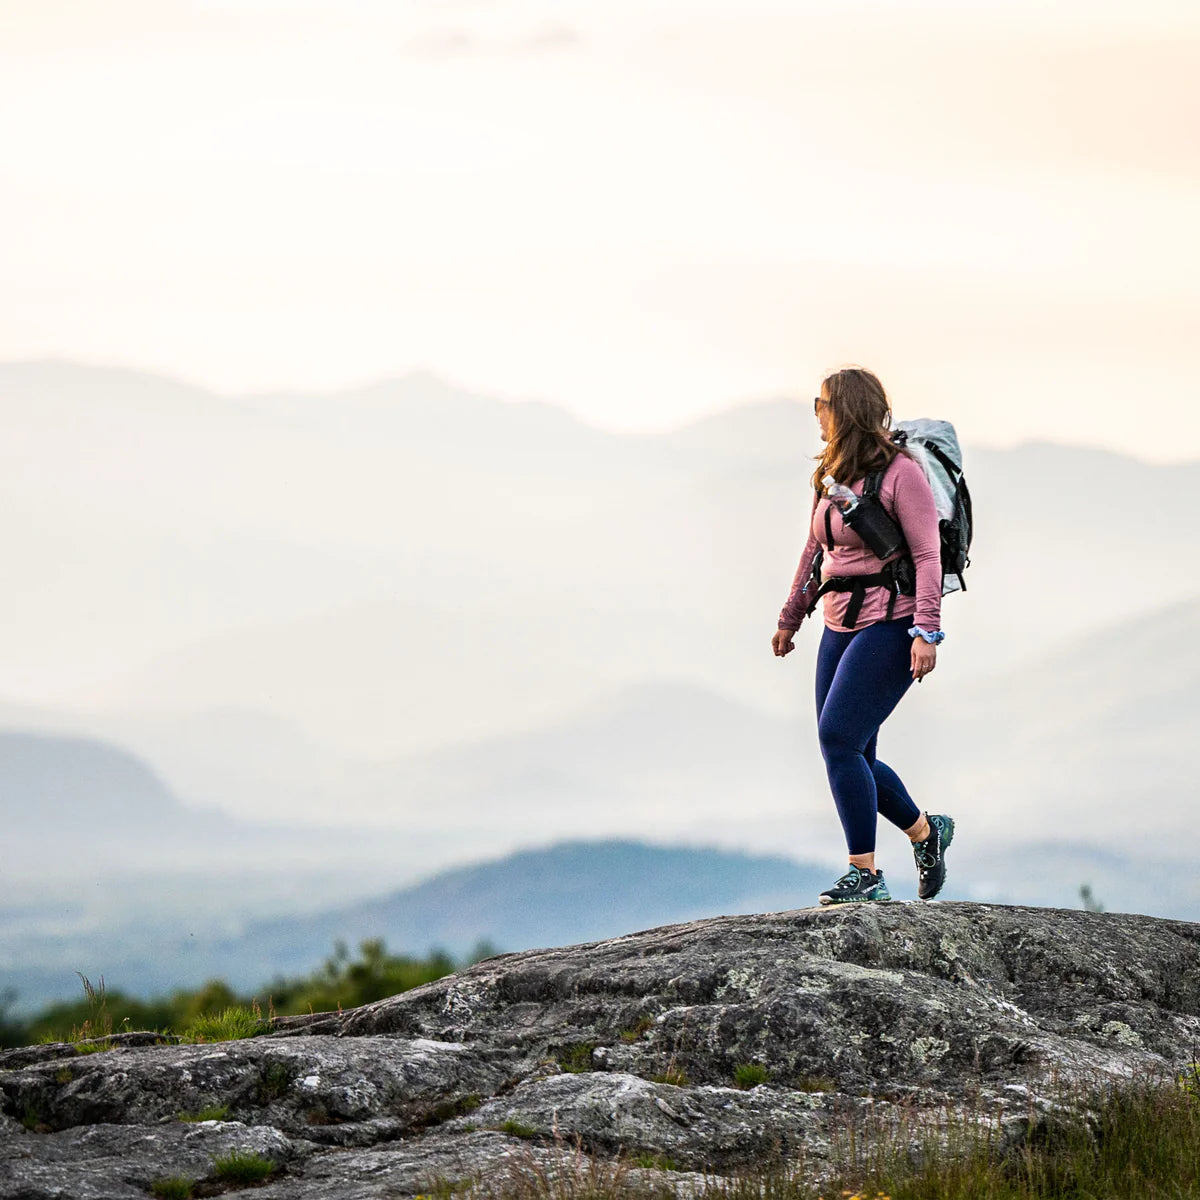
x=843, y=499
x=879, y=532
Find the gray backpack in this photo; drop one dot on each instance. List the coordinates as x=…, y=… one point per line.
x=934, y=444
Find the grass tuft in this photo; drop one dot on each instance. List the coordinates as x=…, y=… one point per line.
x=33, y=1121
x=675, y=1076
x=814, y=1083
x=517, y=1129
x=655, y=1162
x=174, y=1187
x=237, y=1167
x=229, y=1025
x=576, y=1058
x=212, y=1112
x=274, y=1082
x=748, y=1075
x=643, y=1026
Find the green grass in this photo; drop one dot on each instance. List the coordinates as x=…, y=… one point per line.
x=643, y=1026
x=213, y=1112
x=748, y=1075
x=443, y=1189
x=32, y=1120
x=576, y=1058
x=1135, y=1140
x=814, y=1083
x=517, y=1129
x=655, y=1162
x=174, y=1187
x=237, y=1167
x=675, y=1076
x=228, y=1025
x=274, y=1082
x=344, y=981
x=63, y=1075
x=1128, y=1142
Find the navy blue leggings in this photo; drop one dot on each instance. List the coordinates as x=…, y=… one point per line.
x=860, y=679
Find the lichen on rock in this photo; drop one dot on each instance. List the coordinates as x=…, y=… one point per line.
x=632, y=1047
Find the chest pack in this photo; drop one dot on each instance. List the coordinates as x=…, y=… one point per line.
x=934, y=445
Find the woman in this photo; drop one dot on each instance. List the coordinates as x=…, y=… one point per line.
x=875, y=642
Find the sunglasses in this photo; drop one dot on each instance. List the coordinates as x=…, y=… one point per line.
x=817, y=402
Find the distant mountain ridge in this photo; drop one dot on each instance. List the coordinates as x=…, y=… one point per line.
x=571, y=891
x=534, y=897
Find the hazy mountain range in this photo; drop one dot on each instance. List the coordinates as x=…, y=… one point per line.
x=561, y=894
x=257, y=626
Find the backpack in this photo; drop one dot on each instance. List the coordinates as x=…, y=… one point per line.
x=934, y=445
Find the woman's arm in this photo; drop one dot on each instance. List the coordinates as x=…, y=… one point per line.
x=916, y=513
x=792, y=614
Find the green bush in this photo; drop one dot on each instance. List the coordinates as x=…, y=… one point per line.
x=214, y=1012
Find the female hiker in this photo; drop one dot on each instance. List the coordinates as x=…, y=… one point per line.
x=876, y=639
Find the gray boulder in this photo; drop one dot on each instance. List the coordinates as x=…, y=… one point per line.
x=704, y=1047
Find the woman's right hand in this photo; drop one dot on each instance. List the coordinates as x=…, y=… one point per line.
x=781, y=643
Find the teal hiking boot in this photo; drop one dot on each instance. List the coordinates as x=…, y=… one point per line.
x=931, y=856
x=857, y=885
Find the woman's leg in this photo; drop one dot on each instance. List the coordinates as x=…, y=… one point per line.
x=894, y=802
x=871, y=673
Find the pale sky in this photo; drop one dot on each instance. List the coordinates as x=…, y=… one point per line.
x=643, y=210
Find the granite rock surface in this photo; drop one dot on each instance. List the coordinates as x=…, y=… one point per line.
x=713, y=1046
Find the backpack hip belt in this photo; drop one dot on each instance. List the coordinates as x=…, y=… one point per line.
x=898, y=576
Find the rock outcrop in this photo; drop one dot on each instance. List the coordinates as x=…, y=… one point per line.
x=632, y=1047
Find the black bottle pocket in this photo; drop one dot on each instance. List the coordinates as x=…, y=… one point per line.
x=878, y=531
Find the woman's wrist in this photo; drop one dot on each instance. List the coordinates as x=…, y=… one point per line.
x=932, y=637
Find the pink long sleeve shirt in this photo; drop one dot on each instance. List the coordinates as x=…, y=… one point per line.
x=907, y=498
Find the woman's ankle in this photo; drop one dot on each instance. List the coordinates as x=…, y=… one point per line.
x=919, y=830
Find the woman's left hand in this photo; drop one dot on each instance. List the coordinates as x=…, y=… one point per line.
x=924, y=658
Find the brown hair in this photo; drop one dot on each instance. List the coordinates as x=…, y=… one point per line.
x=859, y=442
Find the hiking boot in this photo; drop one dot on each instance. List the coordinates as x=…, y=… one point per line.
x=856, y=885
x=931, y=856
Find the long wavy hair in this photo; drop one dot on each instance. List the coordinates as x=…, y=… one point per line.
x=859, y=441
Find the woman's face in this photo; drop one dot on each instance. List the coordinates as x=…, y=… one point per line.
x=824, y=416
